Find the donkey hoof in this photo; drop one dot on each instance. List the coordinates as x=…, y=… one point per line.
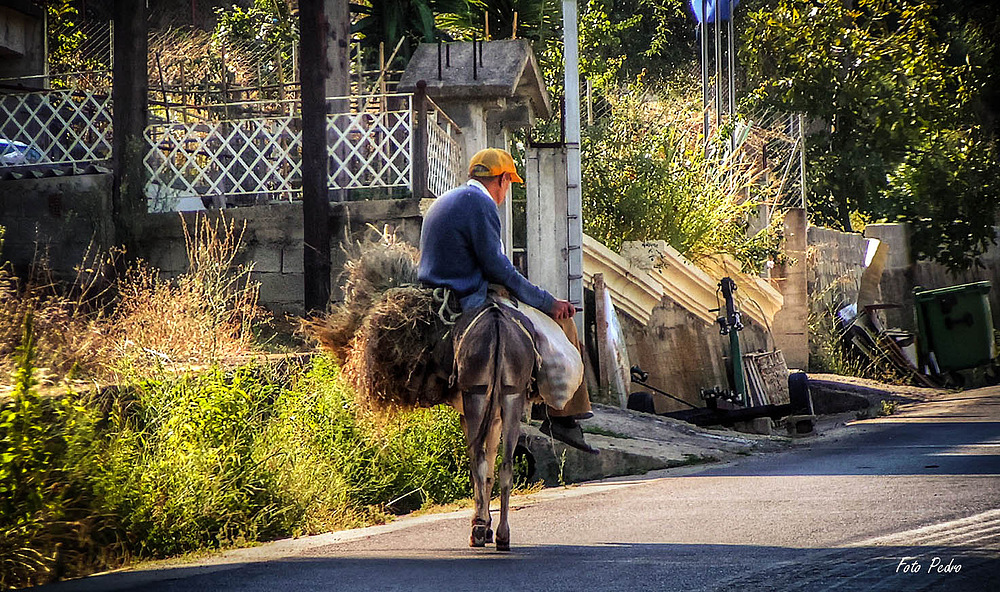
x=503, y=545
x=478, y=538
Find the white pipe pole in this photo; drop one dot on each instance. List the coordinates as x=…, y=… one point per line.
x=718, y=66
x=802, y=159
x=704, y=72
x=732, y=72
x=574, y=218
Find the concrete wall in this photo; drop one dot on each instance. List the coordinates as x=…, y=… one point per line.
x=58, y=218
x=834, y=263
x=790, y=323
x=22, y=41
x=683, y=354
x=272, y=241
x=64, y=218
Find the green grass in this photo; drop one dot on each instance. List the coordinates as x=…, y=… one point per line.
x=223, y=458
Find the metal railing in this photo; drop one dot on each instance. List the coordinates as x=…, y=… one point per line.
x=56, y=126
x=372, y=149
x=259, y=156
x=444, y=155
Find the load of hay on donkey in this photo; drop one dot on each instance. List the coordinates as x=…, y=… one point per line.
x=387, y=334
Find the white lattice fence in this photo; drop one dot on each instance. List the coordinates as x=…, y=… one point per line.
x=444, y=155
x=262, y=156
x=65, y=126
x=371, y=149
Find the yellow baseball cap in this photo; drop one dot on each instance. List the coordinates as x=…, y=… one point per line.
x=492, y=162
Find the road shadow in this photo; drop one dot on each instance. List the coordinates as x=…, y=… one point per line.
x=660, y=567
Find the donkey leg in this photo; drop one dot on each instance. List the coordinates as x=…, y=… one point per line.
x=474, y=405
x=510, y=411
x=492, y=443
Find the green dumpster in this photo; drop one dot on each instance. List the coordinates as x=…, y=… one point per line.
x=955, y=326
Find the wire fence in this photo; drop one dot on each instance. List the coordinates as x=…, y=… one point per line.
x=192, y=73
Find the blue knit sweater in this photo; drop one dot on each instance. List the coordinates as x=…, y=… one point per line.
x=460, y=248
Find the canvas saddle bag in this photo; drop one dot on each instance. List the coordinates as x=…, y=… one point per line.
x=560, y=371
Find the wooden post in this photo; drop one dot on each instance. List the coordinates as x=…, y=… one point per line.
x=601, y=324
x=315, y=200
x=130, y=90
x=281, y=83
x=418, y=166
x=225, y=80
x=381, y=75
x=338, y=84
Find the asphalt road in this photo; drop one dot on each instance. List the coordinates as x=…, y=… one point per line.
x=907, y=503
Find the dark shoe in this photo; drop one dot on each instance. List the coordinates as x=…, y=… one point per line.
x=540, y=412
x=568, y=434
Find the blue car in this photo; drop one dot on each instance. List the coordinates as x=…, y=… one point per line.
x=15, y=153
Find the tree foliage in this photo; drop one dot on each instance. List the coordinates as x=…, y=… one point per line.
x=895, y=91
x=266, y=23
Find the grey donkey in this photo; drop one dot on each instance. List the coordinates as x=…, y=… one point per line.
x=494, y=360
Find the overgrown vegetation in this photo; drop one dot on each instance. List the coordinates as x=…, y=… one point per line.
x=649, y=175
x=830, y=338
x=109, y=325
x=177, y=463
x=172, y=443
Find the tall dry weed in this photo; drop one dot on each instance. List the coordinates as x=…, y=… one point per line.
x=102, y=321
x=205, y=314
x=71, y=336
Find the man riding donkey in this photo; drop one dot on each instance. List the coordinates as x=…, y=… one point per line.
x=461, y=251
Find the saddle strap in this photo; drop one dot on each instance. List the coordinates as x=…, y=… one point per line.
x=476, y=319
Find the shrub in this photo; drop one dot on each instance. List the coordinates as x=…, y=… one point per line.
x=650, y=177
x=47, y=528
x=207, y=313
x=101, y=324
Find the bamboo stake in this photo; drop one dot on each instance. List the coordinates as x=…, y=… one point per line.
x=281, y=81
x=163, y=87
x=381, y=79
x=225, y=80
x=184, y=97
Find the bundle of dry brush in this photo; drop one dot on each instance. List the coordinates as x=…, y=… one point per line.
x=387, y=333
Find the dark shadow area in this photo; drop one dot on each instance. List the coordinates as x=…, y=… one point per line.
x=885, y=449
x=660, y=567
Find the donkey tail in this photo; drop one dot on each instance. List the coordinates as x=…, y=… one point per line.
x=493, y=389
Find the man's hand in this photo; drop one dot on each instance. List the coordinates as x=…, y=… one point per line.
x=562, y=309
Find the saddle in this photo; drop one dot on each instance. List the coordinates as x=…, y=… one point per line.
x=558, y=367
